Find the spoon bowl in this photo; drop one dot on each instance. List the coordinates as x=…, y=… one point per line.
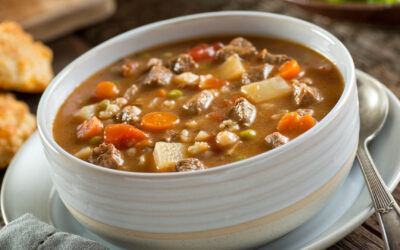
x=374, y=108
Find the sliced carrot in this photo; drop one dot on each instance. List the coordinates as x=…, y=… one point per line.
x=106, y=90
x=290, y=69
x=161, y=93
x=89, y=128
x=123, y=135
x=293, y=124
x=159, y=121
x=217, y=116
x=213, y=83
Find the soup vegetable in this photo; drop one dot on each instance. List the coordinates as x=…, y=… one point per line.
x=197, y=104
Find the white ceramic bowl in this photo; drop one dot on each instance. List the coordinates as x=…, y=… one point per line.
x=238, y=205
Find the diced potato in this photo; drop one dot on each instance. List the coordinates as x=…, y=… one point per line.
x=186, y=79
x=86, y=112
x=84, y=153
x=266, y=90
x=231, y=69
x=167, y=154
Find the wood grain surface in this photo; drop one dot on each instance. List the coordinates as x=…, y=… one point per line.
x=375, y=50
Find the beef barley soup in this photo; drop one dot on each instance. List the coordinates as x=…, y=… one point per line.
x=197, y=104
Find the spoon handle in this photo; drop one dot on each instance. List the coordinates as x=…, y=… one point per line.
x=385, y=206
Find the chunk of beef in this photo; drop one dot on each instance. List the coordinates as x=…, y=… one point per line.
x=182, y=63
x=276, y=139
x=305, y=95
x=130, y=69
x=130, y=92
x=153, y=62
x=189, y=164
x=243, y=111
x=239, y=46
x=107, y=155
x=198, y=103
x=303, y=112
x=256, y=73
x=129, y=114
x=274, y=59
x=158, y=75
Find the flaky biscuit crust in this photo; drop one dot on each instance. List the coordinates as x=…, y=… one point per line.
x=16, y=125
x=25, y=65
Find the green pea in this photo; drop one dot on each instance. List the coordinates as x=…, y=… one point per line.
x=116, y=82
x=248, y=134
x=144, y=55
x=167, y=54
x=240, y=158
x=103, y=104
x=175, y=93
x=95, y=140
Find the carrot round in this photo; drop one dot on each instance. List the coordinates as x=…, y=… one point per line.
x=205, y=51
x=89, y=128
x=159, y=121
x=123, y=135
x=161, y=93
x=293, y=124
x=290, y=69
x=213, y=83
x=106, y=90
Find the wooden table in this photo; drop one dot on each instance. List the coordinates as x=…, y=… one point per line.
x=376, y=50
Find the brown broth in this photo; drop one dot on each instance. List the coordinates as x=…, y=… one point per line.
x=324, y=75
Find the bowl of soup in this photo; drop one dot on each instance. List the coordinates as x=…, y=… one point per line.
x=216, y=130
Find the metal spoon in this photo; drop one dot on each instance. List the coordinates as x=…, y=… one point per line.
x=374, y=107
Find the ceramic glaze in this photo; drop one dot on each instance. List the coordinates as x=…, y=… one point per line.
x=247, y=202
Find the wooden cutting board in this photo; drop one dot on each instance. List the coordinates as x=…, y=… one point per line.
x=49, y=19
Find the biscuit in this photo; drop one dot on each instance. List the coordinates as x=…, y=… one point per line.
x=16, y=125
x=25, y=65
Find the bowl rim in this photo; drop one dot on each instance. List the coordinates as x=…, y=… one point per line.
x=48, y=140
x=350, y=6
